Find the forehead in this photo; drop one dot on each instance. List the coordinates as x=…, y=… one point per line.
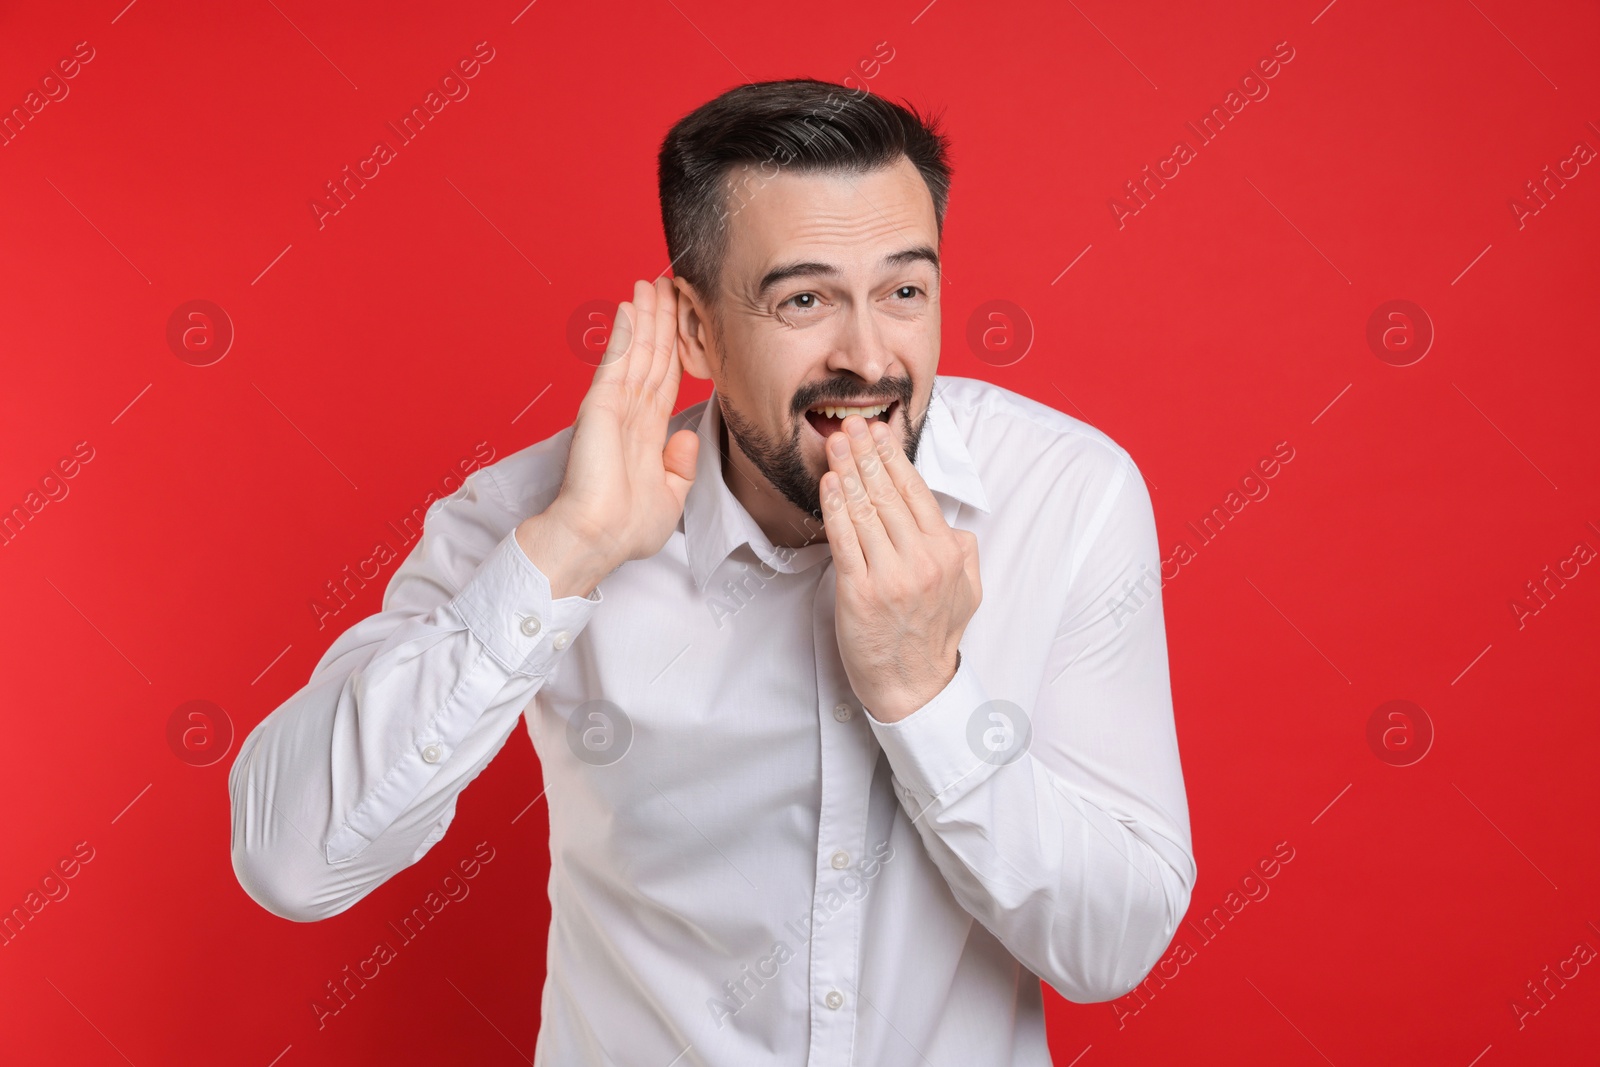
x=844, y=216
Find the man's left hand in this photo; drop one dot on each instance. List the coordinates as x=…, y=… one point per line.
x=906, y=582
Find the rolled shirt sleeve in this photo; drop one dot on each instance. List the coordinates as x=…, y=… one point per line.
x=1063, y=826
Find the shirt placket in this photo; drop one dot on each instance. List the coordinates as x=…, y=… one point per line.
x=848, y=758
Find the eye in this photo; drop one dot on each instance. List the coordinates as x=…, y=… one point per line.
x=802, y=296
x=913, y=289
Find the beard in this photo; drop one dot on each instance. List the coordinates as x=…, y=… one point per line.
x=782, y=462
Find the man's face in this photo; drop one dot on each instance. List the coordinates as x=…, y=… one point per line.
x=829, y=293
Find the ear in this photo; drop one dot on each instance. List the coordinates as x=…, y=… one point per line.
x=696, y=345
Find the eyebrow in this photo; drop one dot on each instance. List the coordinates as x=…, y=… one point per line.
x=814, y=269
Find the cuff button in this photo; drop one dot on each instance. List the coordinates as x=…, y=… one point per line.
x=530, y=625
x=431, y=754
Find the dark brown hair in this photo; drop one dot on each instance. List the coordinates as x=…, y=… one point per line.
x=803, y=125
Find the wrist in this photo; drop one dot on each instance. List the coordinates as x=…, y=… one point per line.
x=569, y=558
x=908, y=703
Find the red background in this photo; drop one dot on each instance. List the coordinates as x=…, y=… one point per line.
x=1229, y=314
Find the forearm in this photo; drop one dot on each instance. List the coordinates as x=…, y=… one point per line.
x=353, y=777
x=1084, y=890
x=1085, y=899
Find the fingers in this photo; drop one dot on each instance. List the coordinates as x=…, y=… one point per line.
x=611, y=359
x=625, y=329
x=876, y=544
x=644, y=332
x=888, y=507
x=666, y=349
x=913, y=490
x=678, y=459
x=666, y=334
x=847, y=557
x=969, y=560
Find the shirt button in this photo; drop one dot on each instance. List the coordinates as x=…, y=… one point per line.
x=841, y=859
x=834, y=999
x=431, y=754
x=530, y=625
x=561, y=640
x=842, y=712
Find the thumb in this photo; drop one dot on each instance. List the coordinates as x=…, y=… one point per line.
x=678, y=458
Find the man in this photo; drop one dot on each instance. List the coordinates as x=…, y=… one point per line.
x=818, y=795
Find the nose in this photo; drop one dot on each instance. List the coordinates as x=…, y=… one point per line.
x=861, y=349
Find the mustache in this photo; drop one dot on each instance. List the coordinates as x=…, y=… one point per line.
x=839, y=390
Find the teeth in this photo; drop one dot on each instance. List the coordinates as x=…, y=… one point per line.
x=834, y=412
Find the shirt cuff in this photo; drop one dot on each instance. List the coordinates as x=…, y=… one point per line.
x=954, y=741
x=509, y=607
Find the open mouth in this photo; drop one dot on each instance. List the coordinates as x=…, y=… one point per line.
x=829, y=418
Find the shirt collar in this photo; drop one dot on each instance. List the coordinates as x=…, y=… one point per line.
x=715, y=523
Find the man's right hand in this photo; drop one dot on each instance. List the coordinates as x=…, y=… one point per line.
x=623, y=493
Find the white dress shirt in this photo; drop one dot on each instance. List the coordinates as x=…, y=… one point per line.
x=748, y=868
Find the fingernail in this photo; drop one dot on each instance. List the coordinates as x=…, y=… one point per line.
x=840, y=446
x=856, y=427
